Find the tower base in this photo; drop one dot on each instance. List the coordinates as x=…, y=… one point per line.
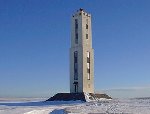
x=78, y=96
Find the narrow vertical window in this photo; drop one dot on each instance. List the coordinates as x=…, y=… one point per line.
x=88, y=57
x=75, y=57
x=88, y=71
x=86, y=26
x=75, y=65
x=88, y=76
x=86, y=36
x=76, y=31
x=88, y=60
x=88, y=65
x=76, y=38
x=76, y=23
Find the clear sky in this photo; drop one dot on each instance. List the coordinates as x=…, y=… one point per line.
x=35, y=42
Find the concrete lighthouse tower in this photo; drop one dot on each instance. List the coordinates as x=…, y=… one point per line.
x=81, y=62
x=81, y=54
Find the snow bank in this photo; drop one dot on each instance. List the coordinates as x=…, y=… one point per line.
x=121, y=106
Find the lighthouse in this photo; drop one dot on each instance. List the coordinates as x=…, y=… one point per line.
x=81, y=54
x=81, y=62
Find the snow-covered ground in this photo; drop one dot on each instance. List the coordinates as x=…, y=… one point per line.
x=114, y=106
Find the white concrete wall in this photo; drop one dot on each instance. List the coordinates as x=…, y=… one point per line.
x=84, y=45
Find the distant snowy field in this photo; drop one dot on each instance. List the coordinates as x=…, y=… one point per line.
x=115, y=106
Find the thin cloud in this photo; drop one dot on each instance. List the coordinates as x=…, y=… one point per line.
x=128, y=92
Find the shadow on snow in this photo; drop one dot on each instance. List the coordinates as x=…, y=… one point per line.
x=40, y=103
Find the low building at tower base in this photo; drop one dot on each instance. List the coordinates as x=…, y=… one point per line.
x=86, y=97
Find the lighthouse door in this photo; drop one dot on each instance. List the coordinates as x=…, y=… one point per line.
x=76, y=87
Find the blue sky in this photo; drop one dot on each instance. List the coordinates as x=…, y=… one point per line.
x=35, y=42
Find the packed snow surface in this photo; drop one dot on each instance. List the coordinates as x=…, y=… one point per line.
x=103, y=106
